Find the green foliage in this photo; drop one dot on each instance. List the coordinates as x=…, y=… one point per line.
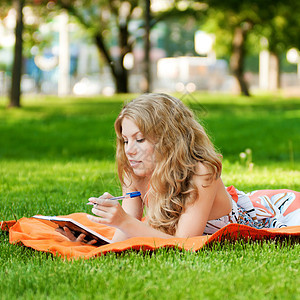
x=5, y=6
x=172, y=40
x=275, y=20
x=217, y=23
x=55, y=153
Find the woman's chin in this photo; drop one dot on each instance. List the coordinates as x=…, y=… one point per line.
x=141, y=173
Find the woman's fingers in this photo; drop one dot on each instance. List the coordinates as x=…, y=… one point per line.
x=104, y=199
x=71, y=237
x=100, y=212
x=96, y=219
x=80, y=238
x=69, y=234
x=102, y=220
x=61, y=231
x=108, y=212
x=92, y=242
x=107, y=206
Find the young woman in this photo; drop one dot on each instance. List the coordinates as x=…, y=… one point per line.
x=164, y=153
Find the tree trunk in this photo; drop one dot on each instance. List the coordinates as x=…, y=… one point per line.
x=147, y=47
x=117, y=68
x=118, y=71
x=122, y=73
x=237, y=59
x=121, y=80
x=15, y=93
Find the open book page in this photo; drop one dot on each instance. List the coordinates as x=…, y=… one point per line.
x=76, y=228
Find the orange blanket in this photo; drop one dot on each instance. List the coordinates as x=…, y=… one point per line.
x=43, y=237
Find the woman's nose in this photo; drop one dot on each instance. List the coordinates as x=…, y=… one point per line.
x=131, y=148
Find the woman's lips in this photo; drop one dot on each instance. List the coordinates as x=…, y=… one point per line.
x=134, y=163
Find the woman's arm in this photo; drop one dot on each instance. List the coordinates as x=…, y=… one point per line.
x=133, y=207
x=212, y=202
x=127, y=218
x=128, y=225
x=193, y=221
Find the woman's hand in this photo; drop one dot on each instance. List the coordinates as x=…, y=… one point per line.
x=71, y=237
x=110, y=211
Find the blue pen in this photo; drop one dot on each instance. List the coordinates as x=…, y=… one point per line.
x=127, y=195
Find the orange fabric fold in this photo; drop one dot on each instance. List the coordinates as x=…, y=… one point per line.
x=41, y=236
x=5, y=225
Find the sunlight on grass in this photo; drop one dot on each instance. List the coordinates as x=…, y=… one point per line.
x=55, y=153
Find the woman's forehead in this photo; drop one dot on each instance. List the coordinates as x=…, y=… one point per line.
x=129, y=127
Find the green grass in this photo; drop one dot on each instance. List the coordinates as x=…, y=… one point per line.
x=234, y=271
x=55, y=153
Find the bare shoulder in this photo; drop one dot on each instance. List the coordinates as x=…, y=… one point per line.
x=202, y=169
x=203, y=175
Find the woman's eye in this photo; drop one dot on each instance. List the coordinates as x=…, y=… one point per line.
x=140, y=140
x=125, y=142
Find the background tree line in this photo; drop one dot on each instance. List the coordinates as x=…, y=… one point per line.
x=238, y=26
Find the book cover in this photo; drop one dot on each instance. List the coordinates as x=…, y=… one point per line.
x=76, y=228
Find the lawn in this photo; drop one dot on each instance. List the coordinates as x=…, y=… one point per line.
x=55, y=153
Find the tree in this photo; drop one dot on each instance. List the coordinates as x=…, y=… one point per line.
x=232, y=21
x=17, y=64
x=108, y=23
x=239, y=18
x=147, y=20
x=282, y=33
x=17, y=68
x=15, y=91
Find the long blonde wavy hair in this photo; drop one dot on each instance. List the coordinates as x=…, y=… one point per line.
x=180, y=143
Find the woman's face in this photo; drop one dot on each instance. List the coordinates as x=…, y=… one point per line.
x=139, y=151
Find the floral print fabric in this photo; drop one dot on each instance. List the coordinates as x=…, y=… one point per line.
x=260, y=209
